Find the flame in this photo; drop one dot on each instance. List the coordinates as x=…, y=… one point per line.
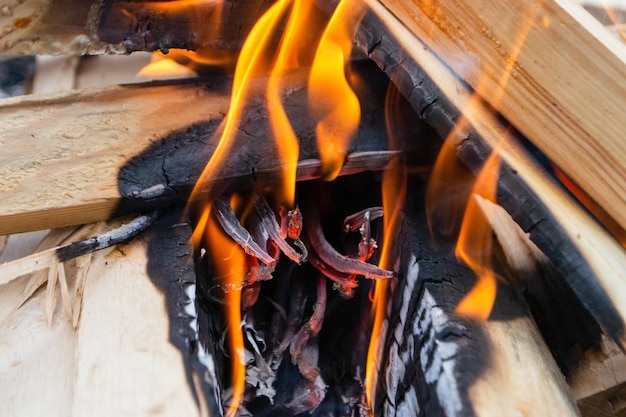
x=475, y=243
x=287, y=58
x=261, y=54
x=475, y=240
x=332, y=100
x=394, y=188
x=230, y=263
x=162, y=67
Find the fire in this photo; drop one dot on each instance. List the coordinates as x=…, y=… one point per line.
x=475, y=242
x=263, y=54
x=394, y=188
x=331, y=98
x=229, y=261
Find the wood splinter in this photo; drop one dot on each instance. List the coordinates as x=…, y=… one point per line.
x=57, y=255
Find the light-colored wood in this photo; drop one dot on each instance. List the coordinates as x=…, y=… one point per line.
x=598, y=370
x=119, y=361
x=549, y=68
x=125, y=364
x=605, y=256
x=519, y=356
x=60, y=154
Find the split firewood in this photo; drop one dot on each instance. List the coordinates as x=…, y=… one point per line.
x=153, y=160
x=126, y=355
x=593, y=263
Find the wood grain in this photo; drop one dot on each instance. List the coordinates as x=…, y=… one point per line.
x=550, y=68
x=61, y=153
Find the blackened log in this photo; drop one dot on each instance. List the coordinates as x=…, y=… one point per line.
x=76, y=27
x=85, y=156
x=436, y=363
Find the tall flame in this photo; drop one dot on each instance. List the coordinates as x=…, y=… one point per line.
x=394, y=188
x=287, y=146
x=259, y=56
x=331, y=98
x=474, y=244
x=230, y=264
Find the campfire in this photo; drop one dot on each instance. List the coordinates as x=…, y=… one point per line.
x=370, y=208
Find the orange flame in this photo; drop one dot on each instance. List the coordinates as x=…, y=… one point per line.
x=331, y=98
x=256, y=57
x=394, y=188
x=230, y=263
x=475, y=242
x=287, y=146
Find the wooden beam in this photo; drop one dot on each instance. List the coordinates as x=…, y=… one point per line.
x=61, y=153
x=551, y=69
x=597, y=262
x=85, y=156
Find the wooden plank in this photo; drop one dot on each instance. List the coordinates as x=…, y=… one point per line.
x=61, y=153
x=600, y=259
x=120, y=360
x=549, y=68
x=125, y=364
x=86, y=156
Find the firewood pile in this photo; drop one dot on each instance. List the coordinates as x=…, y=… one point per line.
x=156, y=261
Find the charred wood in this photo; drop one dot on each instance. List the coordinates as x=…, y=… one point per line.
x=514, y=192
x=155, y=160
x=72, y=27
x=435, y=362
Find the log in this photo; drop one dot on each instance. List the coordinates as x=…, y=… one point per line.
x=594, y=366
x=125, y=356
x=592, y=261
x=435, y=362
x=85, y=156
x=553, y=71
x=77, y=27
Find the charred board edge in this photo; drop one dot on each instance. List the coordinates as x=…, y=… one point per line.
x=513, y=193
x=171, y=269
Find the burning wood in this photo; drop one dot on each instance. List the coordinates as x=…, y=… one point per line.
x=133, y=171
x=288, y=344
